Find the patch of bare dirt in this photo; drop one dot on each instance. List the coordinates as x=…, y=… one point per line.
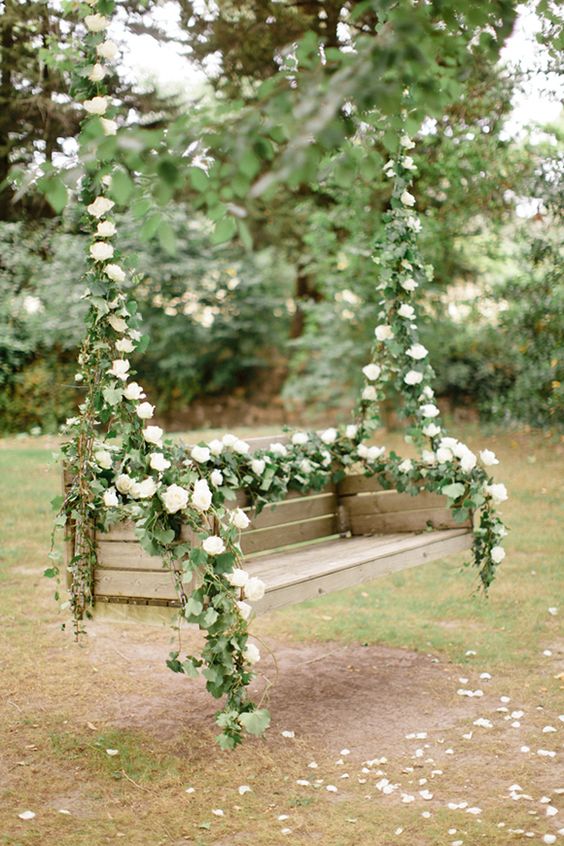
x=330, y=695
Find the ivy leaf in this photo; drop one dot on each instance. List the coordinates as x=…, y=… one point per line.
x=209, y=617
x=167, y=238
x=112, y=395
x=193, y=608
x=50, y=572
x=165, y=536
x=226, y=741
x=189, y=669
x=198, y=178
x=55, y=192
x=255, y=722
x=121, y=187
x=224, y=563
x=453, y=491
x=224, y=230
x=198, y=557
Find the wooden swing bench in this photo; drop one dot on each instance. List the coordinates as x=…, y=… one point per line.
x=303, y=547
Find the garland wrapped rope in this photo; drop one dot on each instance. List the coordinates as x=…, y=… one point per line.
x=123, y=468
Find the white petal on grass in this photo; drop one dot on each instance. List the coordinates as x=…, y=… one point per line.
x=313, y=765
x=244, y=788
x=217, y=812
x=283, y=817
x=551, y=811
x=549, y=838
x=474, y=810
x=546, y=753
x=303, y=782
x=547, y=653
x=331, y=788
x=505, y=699
x=64, y=811
x=548, y=729
x=26, y=815
x=190, y=790
x=525, y=749
x=288, y=733
x=112, y=752
x=482, y=722
x=553, y=611
x=285, y=831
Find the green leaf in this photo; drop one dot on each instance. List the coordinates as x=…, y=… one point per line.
x=224, y=563
x=164, y=536
x=224, y=230
x=167, y=238
x=255, y=722
x=189, y=669
x=56, y=502
x=150, y=226
x=198, y=178
x=209, y=617
x=193, y=608
x=112, y=395
x=55, y=191
x=453, y=491
x=121, y=188
x=50, y=572
x=198, y=557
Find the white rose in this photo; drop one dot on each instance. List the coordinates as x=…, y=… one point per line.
x=145, y=411
x=213, y=545
x=133, y=391
x=443, y=455
x=96, y=23
x=351, y=430
x=145, y=489
x=429, y=410
x=158, y=462
x=431, y=429
x=414, y=223
x=124, y=345
x=369, y=393
x=105, y=229
x=413, y=377
x=498, y=554
x=306, y=466
x=406, y=311
x=124, y=483
x=488, y=458
x=372, y=371
x=252, y=653
x=96, y=106
x=325, y=458
x=238, y=578
x=417, y=351
x=103, y=458
x=202, y=496
x=374, y=452
x=110, y=498
x=135, y=334
x=408, y=163
x=278, y=449
x=362, y=450
x=329, y=436
x=428, y=457
x=100, y=251
x=175, y=498
x=153, y=435
x=114, y=272
x=427, y=393
x=257, y=466
x=468, y=461
x=117, y=323
x=200, y=454
x=254, y=589
x=244, y=609
x=405, y=466
x=216, y=447
x=216, y=478
x=119, y=368
x=100, y=207
x=97, y=73
x=449, y=442
x=300, y=438
x=109, y=127
x=241, y=447
x=383, y=332
x=407, y=199
x=107, y=50
x=240, y=519
x=406, y=142
x=408, y=284
x=229, y=440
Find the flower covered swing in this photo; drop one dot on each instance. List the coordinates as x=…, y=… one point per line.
x=218, y=531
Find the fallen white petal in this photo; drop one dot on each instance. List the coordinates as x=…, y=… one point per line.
x=218, y=812
x=112, y=752
x=26, y=815
x=244, y=788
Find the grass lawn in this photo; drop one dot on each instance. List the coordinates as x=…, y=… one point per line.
x=372, y=665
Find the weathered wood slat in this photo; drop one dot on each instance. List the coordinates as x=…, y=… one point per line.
x=383, y=502
x=359, y=483
x=134, y=584
x=403, y=521
x=294, y=509
x=124, y=555
x=291, y=533
x=333, y=576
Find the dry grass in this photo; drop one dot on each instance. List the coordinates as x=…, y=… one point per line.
x=63, y=706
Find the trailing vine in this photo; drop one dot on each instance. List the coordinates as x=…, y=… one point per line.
x=182, y=500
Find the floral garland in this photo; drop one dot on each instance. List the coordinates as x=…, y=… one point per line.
x=122, y=468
